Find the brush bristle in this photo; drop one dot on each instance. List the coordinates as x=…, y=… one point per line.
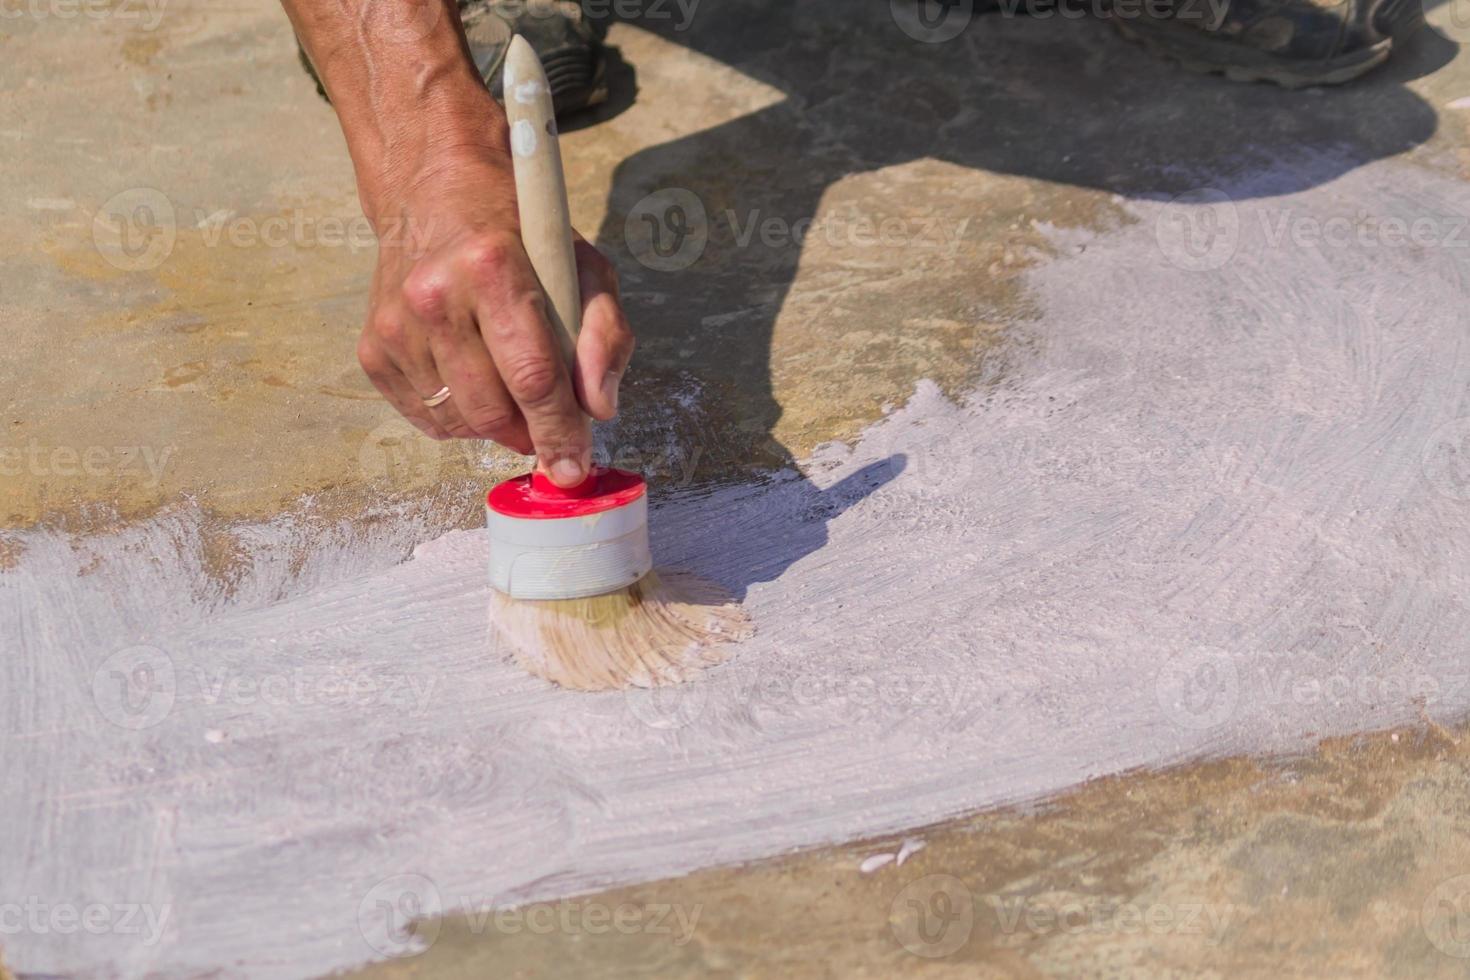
x=661, y=630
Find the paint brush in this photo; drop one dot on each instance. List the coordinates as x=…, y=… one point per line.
x=575, y=595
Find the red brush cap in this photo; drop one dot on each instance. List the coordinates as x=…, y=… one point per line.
x=533, y=495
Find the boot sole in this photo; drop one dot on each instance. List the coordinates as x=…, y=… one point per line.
x=1205, y=55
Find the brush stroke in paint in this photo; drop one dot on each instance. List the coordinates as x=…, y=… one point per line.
x=1211, y=505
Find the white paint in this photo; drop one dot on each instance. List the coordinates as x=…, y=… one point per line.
x=526, y=93
x=523, y=138
x=907, y=849
x=1196, y=513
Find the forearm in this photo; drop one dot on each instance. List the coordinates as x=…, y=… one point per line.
x=456, y=335
x=408, y=96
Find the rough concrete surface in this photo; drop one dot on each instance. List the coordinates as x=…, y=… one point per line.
x=1349, y=862
x=184, y=272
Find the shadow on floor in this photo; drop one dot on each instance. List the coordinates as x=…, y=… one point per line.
x=1062, y=101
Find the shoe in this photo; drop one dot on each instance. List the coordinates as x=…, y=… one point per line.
x=568, y=43
x=1293, y=43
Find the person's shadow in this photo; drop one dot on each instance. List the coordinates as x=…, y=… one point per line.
x=1060, y=101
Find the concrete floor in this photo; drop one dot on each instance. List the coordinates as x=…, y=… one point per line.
x=1349, y=862
x=184, y=277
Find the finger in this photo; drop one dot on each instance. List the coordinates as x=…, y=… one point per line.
x=417, y=364
x=529, y=361
x=409, y=333
x=395, y=388
x=605, y=345
x=464, y=363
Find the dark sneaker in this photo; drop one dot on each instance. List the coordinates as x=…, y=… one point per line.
x=568, y=43
x=1290, y=42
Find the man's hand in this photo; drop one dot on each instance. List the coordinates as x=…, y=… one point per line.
x=455, y=302
x=454, y=298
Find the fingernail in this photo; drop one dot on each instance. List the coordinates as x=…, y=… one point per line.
x=610, y=383
x=566, y=472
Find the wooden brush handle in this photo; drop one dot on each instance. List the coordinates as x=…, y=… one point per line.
x=541, y=191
